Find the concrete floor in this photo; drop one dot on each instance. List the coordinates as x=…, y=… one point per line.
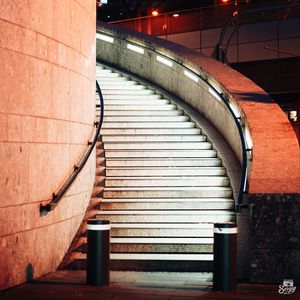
x=70, y=285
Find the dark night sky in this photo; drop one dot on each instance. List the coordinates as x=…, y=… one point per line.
x=124, y=9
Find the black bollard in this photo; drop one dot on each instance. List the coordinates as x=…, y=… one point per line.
x=98, y=242
x=225, y=257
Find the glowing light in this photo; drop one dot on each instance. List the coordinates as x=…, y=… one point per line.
x=235, y=110
x=214, y=93
x=135, y=48
x=165, y=61
x=104, y=38
x=225, y=1
x=175, y=15
x=191, y=75
x=249, y=142
x=155, y=13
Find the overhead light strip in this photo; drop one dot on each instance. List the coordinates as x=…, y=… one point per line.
x=104, y=38
x=135, y=48
x=235, y=110
x=191, y=76
x=214, y=93
x=164, y=61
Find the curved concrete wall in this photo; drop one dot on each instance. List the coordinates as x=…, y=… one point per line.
x=47, y=109
x=275, y=151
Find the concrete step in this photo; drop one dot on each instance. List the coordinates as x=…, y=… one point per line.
x=158, y=245
x=137, y=101
x=136, y=256
x=154, y=138
x=160, y=153
x=178, y=217
x=133, y=97
x=160, y=240
x=143, y=119
x=167, y=192
x=148, y=125
x=167, y=181
x=122, y=87
x=147, y=112
x=135, y=107
x=162, y=232
x=158, y=146
x=164, y=213
x=97, y=191
x=158, y=162
x=106, y=75
x=117, y=83
x=159, y=232
x=149, y=257
x=150, y=131
x=173, y=204
x=162, y=248
x=128, y=92
x=171, y=171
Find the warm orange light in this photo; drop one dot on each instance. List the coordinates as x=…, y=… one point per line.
x=225, y=1
x=176, y=15
x=154, y=13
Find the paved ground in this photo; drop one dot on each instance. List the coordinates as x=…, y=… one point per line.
x=70, y=285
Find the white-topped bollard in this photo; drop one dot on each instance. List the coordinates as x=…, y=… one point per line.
x=225, y=257
x=98, y=258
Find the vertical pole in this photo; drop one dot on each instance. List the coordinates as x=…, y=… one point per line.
x=225, y=257
x=98, y=242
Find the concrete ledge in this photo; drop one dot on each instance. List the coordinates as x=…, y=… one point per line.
x=275, y=163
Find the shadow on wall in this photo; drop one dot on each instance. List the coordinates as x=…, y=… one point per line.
x=29, y=273
x=255, y=97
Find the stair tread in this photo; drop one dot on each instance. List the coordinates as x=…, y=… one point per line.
x=165, y=212
x=163, y=225
x=182, y=188
x=151, y=256
x=167, y=200
x=159, y=240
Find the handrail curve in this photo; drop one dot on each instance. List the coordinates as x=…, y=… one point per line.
x=56, y=197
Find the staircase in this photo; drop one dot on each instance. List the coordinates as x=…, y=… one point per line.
x=165, y=185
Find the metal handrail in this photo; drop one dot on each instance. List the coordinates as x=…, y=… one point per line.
x=56, y=197
x=221, y=53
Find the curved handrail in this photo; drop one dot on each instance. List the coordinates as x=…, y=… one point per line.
x=222, y=52
x=238, y=120
x=56, y=197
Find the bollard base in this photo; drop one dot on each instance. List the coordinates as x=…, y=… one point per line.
x=98, y=258
x=225, y=257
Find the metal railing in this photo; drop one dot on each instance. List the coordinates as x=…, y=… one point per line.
x=222, y=46
x=56, y=197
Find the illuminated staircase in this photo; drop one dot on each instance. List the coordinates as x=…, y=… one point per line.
x=165, y=185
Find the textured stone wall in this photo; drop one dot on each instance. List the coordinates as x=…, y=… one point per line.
x=274, y=237
x=47, y=108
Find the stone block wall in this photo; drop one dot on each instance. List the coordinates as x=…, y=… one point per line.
x=47, y=110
